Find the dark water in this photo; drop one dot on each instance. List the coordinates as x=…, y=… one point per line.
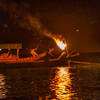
x=78, y=82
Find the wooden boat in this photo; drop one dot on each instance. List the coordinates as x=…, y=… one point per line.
x=28, y=61
x=23, y=60
x=32, y=64
x=31, y=61
x=16, y=62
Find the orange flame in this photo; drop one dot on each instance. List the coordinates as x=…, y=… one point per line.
x=60, y=43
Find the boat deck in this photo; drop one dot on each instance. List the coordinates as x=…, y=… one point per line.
x=27, y=64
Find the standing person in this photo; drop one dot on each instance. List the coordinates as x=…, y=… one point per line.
x=33, y=51
x=48, y=55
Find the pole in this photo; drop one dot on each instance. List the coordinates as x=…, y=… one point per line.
x=67, y=51
x=17, y=53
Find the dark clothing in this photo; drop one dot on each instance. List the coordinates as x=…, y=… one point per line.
x=48, y=56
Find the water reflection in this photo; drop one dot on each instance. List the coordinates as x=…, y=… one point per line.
x=61, y=84
x=3, y=90
x=78, y=82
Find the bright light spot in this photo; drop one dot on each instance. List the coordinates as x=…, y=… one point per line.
x=77, y=30
x=60, y=43
x=63, y=71
x=0, y=49
x=61, y=84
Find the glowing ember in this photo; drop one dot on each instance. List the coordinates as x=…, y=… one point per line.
x=60, y=43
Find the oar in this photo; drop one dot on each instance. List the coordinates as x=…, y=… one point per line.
x=80, y=62
x=72, y=51
x=69, y=54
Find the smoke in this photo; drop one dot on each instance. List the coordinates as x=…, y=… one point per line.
x=21, y=14
x=35, y=24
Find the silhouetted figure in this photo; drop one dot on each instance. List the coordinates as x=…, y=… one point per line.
x=48, y=55
x=33, y=51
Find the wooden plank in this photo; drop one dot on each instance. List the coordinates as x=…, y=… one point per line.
x=11, y=46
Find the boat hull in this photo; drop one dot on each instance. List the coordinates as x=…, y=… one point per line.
x=40, y=63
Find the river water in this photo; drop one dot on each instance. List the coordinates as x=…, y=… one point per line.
x=78, y=82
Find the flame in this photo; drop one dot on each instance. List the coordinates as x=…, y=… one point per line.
x=60, y=43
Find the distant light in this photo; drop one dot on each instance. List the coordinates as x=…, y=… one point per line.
x=77, y=30
x=0, y=49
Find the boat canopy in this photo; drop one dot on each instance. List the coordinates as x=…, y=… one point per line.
x=11, y=46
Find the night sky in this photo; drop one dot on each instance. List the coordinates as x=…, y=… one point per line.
x=26, y=21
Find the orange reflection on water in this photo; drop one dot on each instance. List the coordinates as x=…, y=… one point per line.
x=2, y=87
x=61, y=84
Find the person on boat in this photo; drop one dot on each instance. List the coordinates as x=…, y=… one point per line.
x=10, y=56
x=33, y=51
x=4, y=55
x=48, y=55
x=64, y=54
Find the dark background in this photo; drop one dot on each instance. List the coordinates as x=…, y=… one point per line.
x=25, y=21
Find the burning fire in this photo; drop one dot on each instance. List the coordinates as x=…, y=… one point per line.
x=60, y=43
